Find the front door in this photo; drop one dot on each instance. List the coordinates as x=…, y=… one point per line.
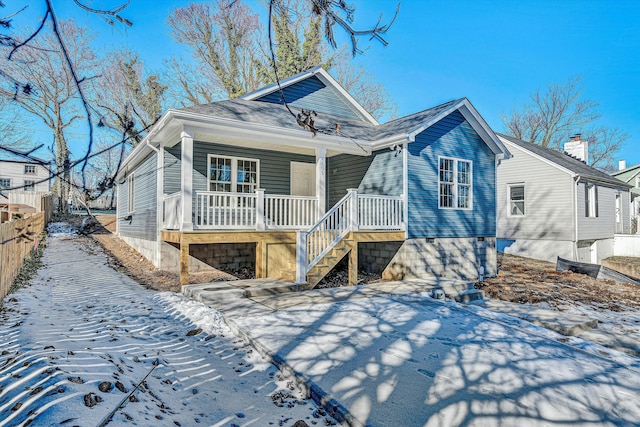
x=303, y=179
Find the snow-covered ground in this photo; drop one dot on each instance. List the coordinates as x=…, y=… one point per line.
x=85, y=345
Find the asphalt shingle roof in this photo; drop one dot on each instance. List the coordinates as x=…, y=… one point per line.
x=269, y=114
x=565, y=161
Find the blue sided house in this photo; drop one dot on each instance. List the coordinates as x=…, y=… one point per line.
x=291, y=188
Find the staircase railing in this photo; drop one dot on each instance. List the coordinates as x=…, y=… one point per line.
x=312, y=245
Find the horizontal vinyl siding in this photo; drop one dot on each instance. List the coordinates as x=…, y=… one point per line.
x=380, y=173
x=275, y=166
x=143, y=224
x=172, y=171
x=452, y=136
x=548, y=199
x=603, y=226
x=312, y=94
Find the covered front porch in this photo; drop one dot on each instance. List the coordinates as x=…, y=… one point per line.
x=292, y=240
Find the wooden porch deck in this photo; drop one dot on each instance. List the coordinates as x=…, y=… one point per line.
x=275, y=249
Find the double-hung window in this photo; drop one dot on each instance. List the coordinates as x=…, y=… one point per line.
x=516, y=200
x=455, y=188
x=29, y=185
x=29, y=169
x=5, y=183
x=232, y=174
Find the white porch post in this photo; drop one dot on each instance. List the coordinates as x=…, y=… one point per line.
x=353, y=207
x=321, y=180
x=260, y=209
x=405, y=189
x=186, y=182
x=302, y=257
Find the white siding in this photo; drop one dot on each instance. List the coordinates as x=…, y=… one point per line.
x=548, y=199
x=15, y=172
x=602, y=226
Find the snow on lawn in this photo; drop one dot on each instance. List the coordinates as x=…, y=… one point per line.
x=85, y=345
x=406, y=360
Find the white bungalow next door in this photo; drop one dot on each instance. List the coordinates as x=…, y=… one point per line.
x=303, y=179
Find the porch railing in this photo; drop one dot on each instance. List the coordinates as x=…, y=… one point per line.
x=223, y=210
x=290, y=211
x=354, y=211
x=380, y=212
x=172, y=211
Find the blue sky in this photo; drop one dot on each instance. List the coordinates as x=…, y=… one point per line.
x=493, y=52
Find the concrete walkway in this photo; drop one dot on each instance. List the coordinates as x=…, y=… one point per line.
x=388, y=357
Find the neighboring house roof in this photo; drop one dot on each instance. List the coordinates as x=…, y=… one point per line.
x=565, y=161
x=8, y=156
x=628, y=174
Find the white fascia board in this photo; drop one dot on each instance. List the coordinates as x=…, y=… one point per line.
x=488, y=135
x=326, y=78
x=412, y=134
x=511, y=145
x=259, y=93
x=271, y=134
x=143, y=148
x=391, y=141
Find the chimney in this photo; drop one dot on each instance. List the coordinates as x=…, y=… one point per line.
x=622, y=164
x=577, y=148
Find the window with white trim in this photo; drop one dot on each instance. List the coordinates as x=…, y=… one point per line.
x=29, y=185
x=29, y=169
x=131, y=193
x=516, y=200
x=455, y=178
x=233, y=174
x=5, y=183
x=591, y=200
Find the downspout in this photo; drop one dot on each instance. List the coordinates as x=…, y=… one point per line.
x=576, y=179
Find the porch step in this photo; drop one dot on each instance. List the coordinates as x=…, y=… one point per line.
x=329, y=261
x=238, y=289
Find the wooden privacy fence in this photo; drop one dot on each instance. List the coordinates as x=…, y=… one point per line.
x=17, y=239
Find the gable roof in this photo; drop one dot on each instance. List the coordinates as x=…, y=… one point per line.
x=564, y=161
x=272, y=123
x=325, y=78
x=627, y=174
x=9, y=156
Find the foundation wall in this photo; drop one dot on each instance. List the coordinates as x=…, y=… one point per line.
x=455, y=258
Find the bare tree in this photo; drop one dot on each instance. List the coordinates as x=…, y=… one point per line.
x=52, y=92
x=129, y=100
x=223, y=37
x=604, y=143
x=362, y=86
x=13, y=126
x=553, y=115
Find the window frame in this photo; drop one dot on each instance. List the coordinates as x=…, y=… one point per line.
x=455, y=184
x=510, y=200
x=2, y=187
x=35, y=170
x=29, y=185
x=131, y=193
x=234, y=183
x=590, y=200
